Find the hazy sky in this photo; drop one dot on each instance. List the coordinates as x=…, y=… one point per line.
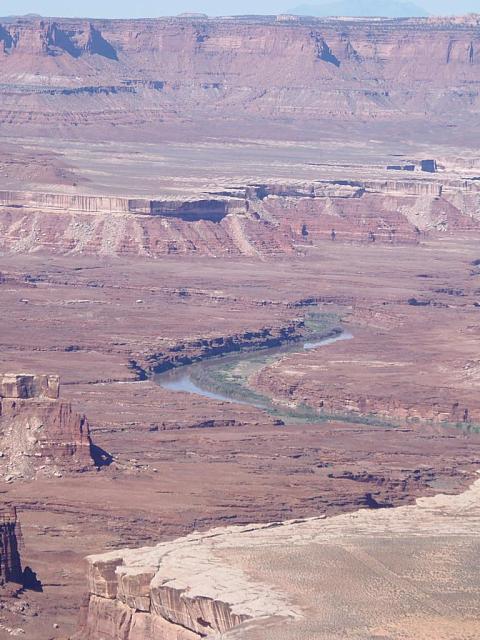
x=146, y=8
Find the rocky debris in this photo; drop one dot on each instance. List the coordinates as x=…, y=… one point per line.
x=39, y=433
x=225, y=582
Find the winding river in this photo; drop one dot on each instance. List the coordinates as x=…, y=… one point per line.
x=183, y=380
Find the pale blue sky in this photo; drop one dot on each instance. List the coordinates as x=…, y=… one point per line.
x=150, y=8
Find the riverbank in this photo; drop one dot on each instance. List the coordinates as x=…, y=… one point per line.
x=229, y=378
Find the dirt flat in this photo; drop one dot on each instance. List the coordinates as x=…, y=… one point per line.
x=411, y=579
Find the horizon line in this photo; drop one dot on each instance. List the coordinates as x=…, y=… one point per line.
x=293, y=16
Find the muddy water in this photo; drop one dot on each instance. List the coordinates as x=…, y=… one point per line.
x=180, y=379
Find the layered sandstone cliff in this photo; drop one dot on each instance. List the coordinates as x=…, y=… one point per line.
x=191, y=210
x=79, y=72
x=280, y=581
x=254, y=220
x=39, y=433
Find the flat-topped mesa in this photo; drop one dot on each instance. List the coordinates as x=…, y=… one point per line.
x=252, y=66
x=253, y=220
x=10, y=565
x=39, y=433
x=101, y=225
x=26, y=386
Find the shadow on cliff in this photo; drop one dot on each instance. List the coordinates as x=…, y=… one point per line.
x=97, y=44
x=101, y=458
x=30, y=582
x=372, y=503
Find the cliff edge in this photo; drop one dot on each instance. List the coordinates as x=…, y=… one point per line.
x=347, y=576
x=132, y=72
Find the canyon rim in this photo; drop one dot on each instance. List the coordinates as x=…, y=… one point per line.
x=239, y=351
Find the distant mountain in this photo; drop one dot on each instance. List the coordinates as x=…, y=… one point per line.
x=14, y=18
x=384, y=8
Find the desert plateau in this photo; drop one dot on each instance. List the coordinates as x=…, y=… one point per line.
x=240, y=328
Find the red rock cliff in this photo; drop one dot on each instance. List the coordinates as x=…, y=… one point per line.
x=38, y=432
x=140, y=70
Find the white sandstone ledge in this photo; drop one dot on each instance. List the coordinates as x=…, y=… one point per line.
x=225, y=581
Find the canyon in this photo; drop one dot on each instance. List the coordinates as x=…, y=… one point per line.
x=207, y=195
x=183, y=463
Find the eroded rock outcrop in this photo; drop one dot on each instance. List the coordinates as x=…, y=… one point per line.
x=169, y=356
x=239, y=582
x=176, y=594
x=39, y=433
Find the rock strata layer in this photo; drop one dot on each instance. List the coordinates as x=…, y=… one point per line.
x=239, y=581
x=39, y=433
x=256, y=220
x=85, y=72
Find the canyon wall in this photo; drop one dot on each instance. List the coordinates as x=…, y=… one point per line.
x=255, y=220
x=447, y=406
x=78, y=72
x=213, y=209
x=281, y=580
x=165, y=357
x=39, y=433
